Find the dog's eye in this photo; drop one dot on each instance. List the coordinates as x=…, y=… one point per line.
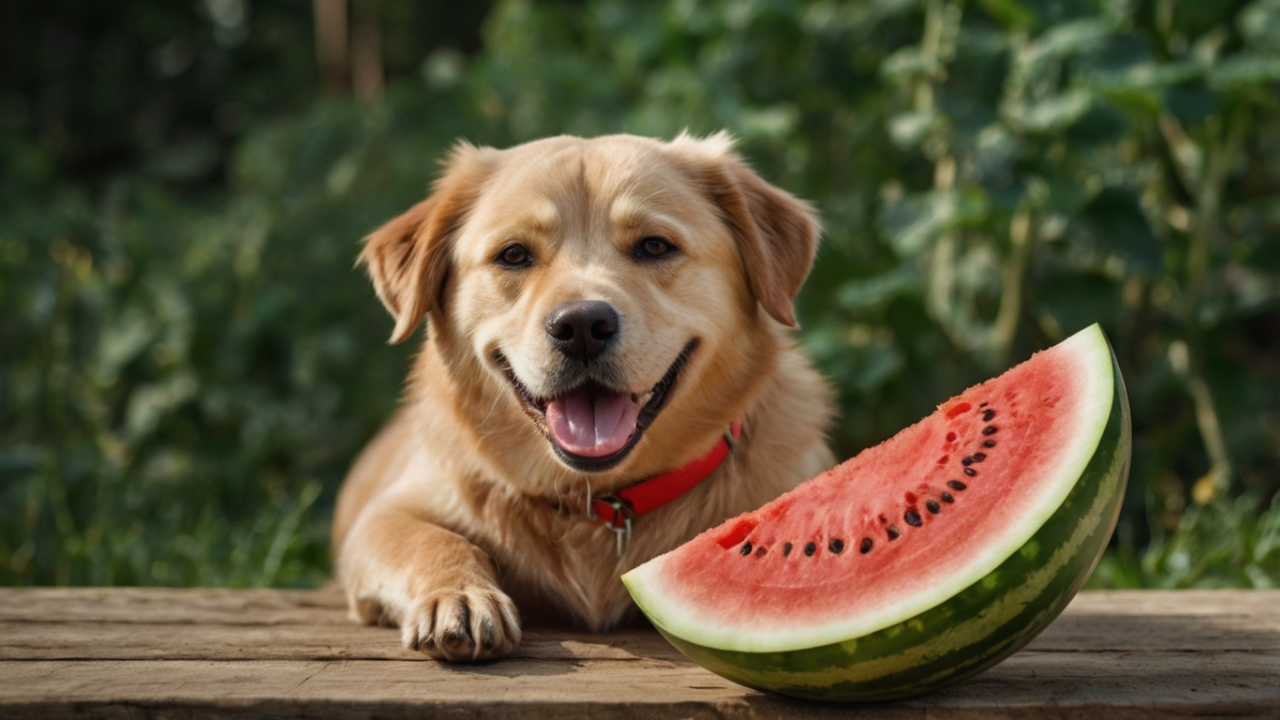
x=653, y=247
x=514, y=256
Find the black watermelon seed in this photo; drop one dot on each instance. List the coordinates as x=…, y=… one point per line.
x=933, y=507
x=865, y=547
x=970, y=472
x=989, y=444
x=913, y=518
x=786, y=550
x=746, y=548
x=982, y=405
x=979, y=456
x=956, y=485
x=836, y=546
x=946, y=497
x=893, y=532
x=989, y=430
x=986, y=416
x=810, y=549
x=760, y=551
x=967, y=461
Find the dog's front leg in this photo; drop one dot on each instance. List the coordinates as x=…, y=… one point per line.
x=441, y=590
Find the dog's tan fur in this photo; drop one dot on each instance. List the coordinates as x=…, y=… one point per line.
x=459, y=512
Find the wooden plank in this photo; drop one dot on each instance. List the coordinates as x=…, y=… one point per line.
x=173, y=605
x=132, y=624
x=1180, y=602
x=308, y=607
x=1029, y=685
x=135, y=641
x=1166, y=621
x=1073, y=632
x=193, y=653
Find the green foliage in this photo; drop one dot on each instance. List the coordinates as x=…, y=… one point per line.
x=189, y=362
x=1227, y=543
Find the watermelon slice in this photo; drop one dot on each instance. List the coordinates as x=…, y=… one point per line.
x=923, y=560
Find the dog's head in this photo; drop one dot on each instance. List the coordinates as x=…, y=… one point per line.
x=625, y=294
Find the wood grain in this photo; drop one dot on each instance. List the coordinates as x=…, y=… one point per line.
x=135, y=653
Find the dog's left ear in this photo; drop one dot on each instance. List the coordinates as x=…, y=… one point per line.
x=408, y=258
x=777, y=233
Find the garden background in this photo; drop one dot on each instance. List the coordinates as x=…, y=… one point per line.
x=188, y=362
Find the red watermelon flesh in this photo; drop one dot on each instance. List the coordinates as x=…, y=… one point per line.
x=901, y=527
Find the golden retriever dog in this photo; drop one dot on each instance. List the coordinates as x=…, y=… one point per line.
x=599, y=312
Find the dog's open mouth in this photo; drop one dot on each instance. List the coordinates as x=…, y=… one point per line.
x=592, y=426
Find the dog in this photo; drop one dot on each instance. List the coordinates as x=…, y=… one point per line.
x=599, y=312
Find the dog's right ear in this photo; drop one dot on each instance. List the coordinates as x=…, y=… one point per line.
x=408, y=258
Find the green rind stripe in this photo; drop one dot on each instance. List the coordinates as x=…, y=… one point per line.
x=978, y=627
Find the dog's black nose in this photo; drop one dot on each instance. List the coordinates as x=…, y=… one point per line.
x=584, y=328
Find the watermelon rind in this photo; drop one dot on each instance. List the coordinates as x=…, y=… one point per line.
x=960, y=628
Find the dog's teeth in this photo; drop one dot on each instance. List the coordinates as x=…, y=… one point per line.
x=647, y=397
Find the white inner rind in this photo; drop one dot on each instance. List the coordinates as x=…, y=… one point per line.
x=1092, y=356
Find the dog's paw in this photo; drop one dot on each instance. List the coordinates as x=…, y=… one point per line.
x=463, y=625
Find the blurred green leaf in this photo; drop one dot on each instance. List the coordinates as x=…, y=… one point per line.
x=1075, y=300
x=910, y=128
x=877, y=290
x=1259, y=23
x=1117, y=227
x=1054, y=113
x=1245, y=69
x=1148, y=75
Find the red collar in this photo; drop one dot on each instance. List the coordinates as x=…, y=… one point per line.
x=618, y=509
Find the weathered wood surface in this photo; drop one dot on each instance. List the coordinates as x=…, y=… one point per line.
x=133, y=653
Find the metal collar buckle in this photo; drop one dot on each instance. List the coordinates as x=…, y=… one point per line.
x=620, y=523
x=730, y=441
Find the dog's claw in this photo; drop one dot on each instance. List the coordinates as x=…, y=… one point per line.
x=457, y=646
x=488, y=635
x=455, y=619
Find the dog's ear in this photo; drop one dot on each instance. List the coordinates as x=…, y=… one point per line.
x=408, y=258
x=777, y=233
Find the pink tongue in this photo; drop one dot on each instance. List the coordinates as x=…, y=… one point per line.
x=592, y=422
